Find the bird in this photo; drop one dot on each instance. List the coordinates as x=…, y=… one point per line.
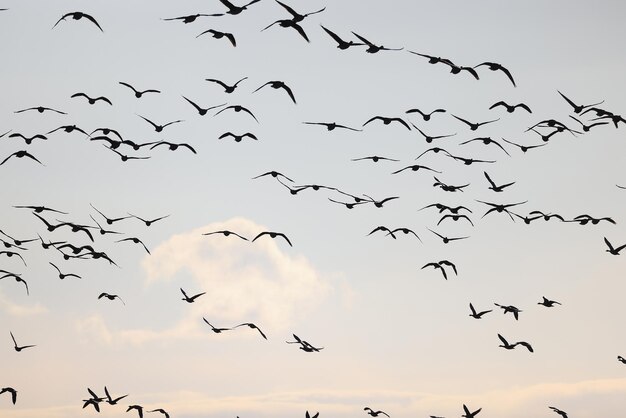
x=273, y=235
x=445, y=239
x=371, y=48
x=137, y=408
x=510, y=308
x=374, y=158
x=12, y=391
x=425, y=116
x=307, y=415
x=68, y=129
x=505, y=344
x=28, y=140
x=547, y=216
x=456, y=69
x=621, y=359
x=13, y=253
x=448, y=188
x=102, y=230
x=17, y=279
x=374, y=413
x=39, y=109
x=276, y=84
x=109, y=221
x=219, y=35
x=494, y=66
x=226, y=233
x=558, y=411
x=297, y=17
x=497, y=207
x=274, y=174
x=578, y=108
x=110, y=400
x=203, y=111
x=524, y=148
x=430, y=138
x=136, y=241
x=77, y=228
x=510, y=108
x=227, y=88
x=494, y=187
x=253, y=326
x=289, y=23
x=138, y=93
x=21, y=154
x=149, y=222
x=469, y=414
x=173, y=147
x=159, y=128
x=235, y=10
x=161, y=410
x=415, y=167
x=387, y=121
x=380, y=203
x=92, y=100
x=78, y=16
x=474, y=126
x=587, y=128
x=455, y=217
x=341, y=44
x=332, y=126
x=585, y=219
x=611, y=249
x=237, y=109
x=125, y=157
x=384, y=229
x=477, y=315
x=190, y=299
x=348, y=205
x=304, y=345
x=64, y=275
x=435, y=150
x=110, y=297
x=487, y=141
x=215, y=330
x=17, y=347
x=437, y=266
x=191, y=19
x=548, y=303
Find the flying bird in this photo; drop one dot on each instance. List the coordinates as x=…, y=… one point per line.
x=587, y=128
x=611, y=249
x=17, y=279
x=253, y=326
x=110, y=297
x=332, y=126
x=226, y=233
x=138, y=93
x=578, y=108
x=384, y=229
x=149, y=222
x=524, y=148
x=109, y=221
x=173, y=147
x=191, y=19
x=469, y=414
x=110, y=400
x=510, y=308
x=201, y=110
x=92, y=100
x=21, y=154
x=548, y=303
x=474, y=126
x=273, y=235
x=341, y=44
x=425, y=116
x=237, y=109
x=505, y=344
x=190, y=299
x=430, y=138
x=372, y=48
x=445, y=239
x=380, y=203
x=278, y=85
x=510, y=108
x=137, y=408
x=235, y=10
x=374, y=158
x=227, y=88
x=297, y=17
x=78, y=16
x=12, y=391
x=289, y=23
x=214, y=329
x=415, y=167
x=494, y=187
x=274, y=174
x=64, y=275
x=219, y=35
x=39, y=209
x=494, y=66
x=136, y=241
x=558, y=411
x=161, y=410
x=375, y=413
x=19, y=348
x=159, y=128
x=40, y=109
x=477, y=315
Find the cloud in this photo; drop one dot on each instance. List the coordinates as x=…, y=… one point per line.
x=14, y=309
x=260, y=282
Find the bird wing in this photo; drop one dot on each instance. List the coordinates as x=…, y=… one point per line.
x=231, y=38
x=362, y=39
x=300, y=31
x=289, y=92
x=92, y=20
x=508, y=74
x=290, y=10
x=489, y=179
x=334, y=36
x=285, y=237
x=504, y=341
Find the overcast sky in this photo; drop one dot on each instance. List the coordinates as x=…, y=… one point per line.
x=395, y=337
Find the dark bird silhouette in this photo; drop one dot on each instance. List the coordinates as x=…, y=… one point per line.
x=496, y=207
x=430, y=138
x=578, y=108
x=215, y=330
x=139, y=93
x=494, y=66
x=289, y=23
x=273, y=235
x=77, y=228
x=191, y=19
x=384, y=229
x=435, y=150
x=442, y=208
x=274, y=174
x=432, y=59
x=474, y=126
x=17, y=279
x=611, y=249
x=558, y=411
x=203, y=111
x=304, y=345
x=159, y=128
x=380, y=203
x=238, y=138
x=523, y=148
x=469, y=414
x=137, y=408
x=110, y=400
x=136, y=241
x=341, y=44
x=190, y=299
x=494, y=187
x=161, y=410
x=78, y=16
x=110, y=297
x=21, y=154
x=510, y=308
x=440, y=266
x=416, y=167
x=173, y=147
x=40, y=109
x=253, y=326
x=307, y=415
x=387, y=121
x=109, y=221
x=548, y=303
x=297, y=17
x=19, y=348
x=425, y=116
x=227, y=89
x=237, y=109
x=64, y=275
x=446, y=239
x=487, y=141
x=16, y=242
x=547, y=216
x=13, y=393
x=621, y=359
x=278, y=85
x=585, y=219
x=348, y=205
x=477, y=315
x=49, y=244
x=92, y=100
x=374, y=158
x=235, y=10
x=587, y=128
x=28, y=140
x=332, y=125
x=505, y=344
x=219, y=35
x=13, y=253
x=372, y=48
x=511, y=108
x=101, y=229
x=68, y=129
x=455, y=218
x=149, y=222
x=447, y=187
x=374, y=413
x=226, y=234
x=456, y=69
x=125, y=157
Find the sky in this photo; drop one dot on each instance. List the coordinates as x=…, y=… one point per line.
x=396, y=337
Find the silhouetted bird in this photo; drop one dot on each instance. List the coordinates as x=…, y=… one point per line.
x=191, y=19
x=425, y=116
x=341, y=44
x=558, y=411
x=110, y=297
x=13, y=393
x=415, y=167
x=446, y=239
x=161, y=410
x=494, y=187
x=149, y=222
x=384, y=229
x=203, y=111
x=253, y=326
x=474, y=126
x=587, y=128
x=374, y=158
x=440, y=266
x=92, y=100
x=524, y=148
x=78, y=16
x=191, y=299
x=374, y=413
x=136, y=241
x=578, y=108
x=137, y=408
x=39, y=109
x=227, y=233
x=611, y=250
x=68, y=129
x=548, y=303
x=621, y=359
x=64, y=275
x=235, y=10
x=214, y=329
x=510, y=308
x=505, y=344
x=274, y=174
x=469, y=414
x=19, y=348
x=278, y=85
x=511, y=108
x=372, y=48
x=21, y=154
x=332, y=125
x=477, y=315
x=273, y=235
x=219, y=35
x=238, y=138
x=227, y=88
x=173, y=147
x=110, y=400
x=138, y=93
x=17, y=279
x=430, y=138
x=159, y=128
x=237, y=109
x=493, y=66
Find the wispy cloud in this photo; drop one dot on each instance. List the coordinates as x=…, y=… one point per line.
x=14, y=309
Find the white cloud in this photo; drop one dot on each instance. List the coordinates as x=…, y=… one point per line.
x=14, y=309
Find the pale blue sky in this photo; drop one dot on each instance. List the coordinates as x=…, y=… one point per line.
x=395, y=337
